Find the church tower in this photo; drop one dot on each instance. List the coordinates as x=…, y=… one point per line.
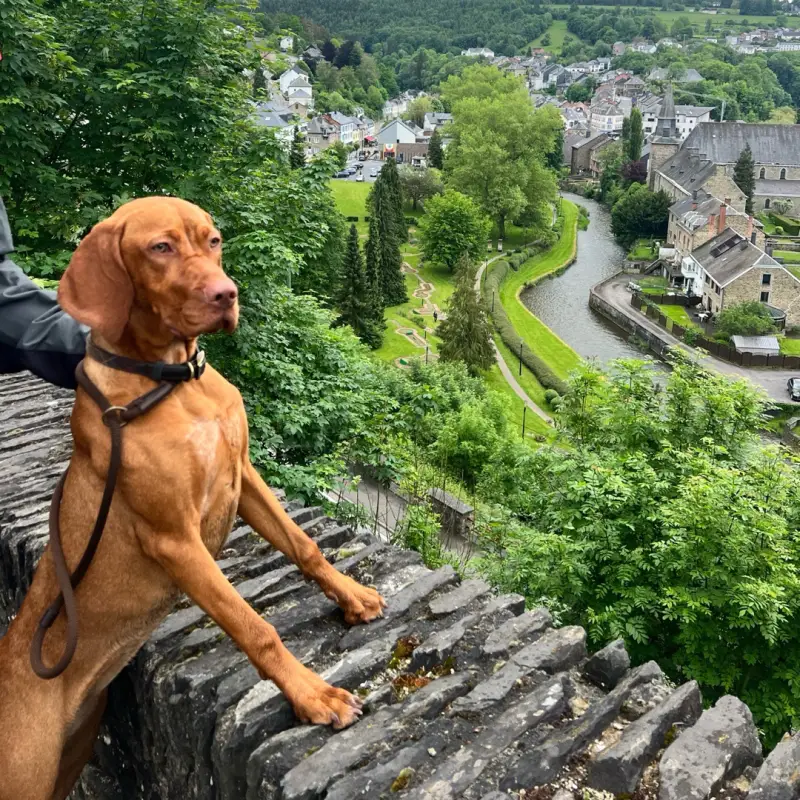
x=666, y=140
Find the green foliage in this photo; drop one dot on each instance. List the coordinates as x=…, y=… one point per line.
x=340, y=152
x=635, y=136
x=297, y=155
x=453, y=226
x=418, y=108
x=580, y=92
x=499, y=147
x=102, y=101
x=420, y=184
x=465, y=332
x=386, y=232
x=691, y=336
x=357, y=304
x=744, y=176
x=640, y=213
x=435, y=151
x=419, y=531
x=744, y=319
x=658, y=517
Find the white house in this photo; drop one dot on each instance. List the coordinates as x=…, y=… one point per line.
x=607, y=117
x=396, y=132
x=291, y=75
x=687, y=118
x=349, y=129
x=286, y=43
x=282, y=124
x=478, y=52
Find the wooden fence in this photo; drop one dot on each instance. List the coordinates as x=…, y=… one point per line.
x=723, y=351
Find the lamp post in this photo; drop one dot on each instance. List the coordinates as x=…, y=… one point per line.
x=520, y=357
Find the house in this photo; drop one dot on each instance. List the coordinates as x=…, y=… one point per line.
x=535, y=80
x=574, y=119
x=607, y=116
x=291, y=76
x=349, y=131
x=690, y=75
x=434, y=120
x=578, y=69
x=736, y=271
x=402, y=141
x=583, y=150
x=633, y=87
x=321, y=133
x=707, y=158
x=768, y=191
x=694, y=220
x=667, y=42
x=643, y=46
x=687, y=118
x=282, y=124
x=397, y=106
x=757, y=345
x=286, y=43
x=478, y=52
x=618, y=48
x=556, y=75
x=313, y=55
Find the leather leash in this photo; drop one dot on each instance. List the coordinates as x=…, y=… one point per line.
x=115, y=418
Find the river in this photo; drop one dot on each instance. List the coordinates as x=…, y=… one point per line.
x=562, y=303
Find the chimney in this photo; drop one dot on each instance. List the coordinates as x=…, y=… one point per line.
x=722, y=210
x=694, y=200
x=712, y=226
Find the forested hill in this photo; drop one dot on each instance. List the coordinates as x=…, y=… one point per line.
x=506, y=27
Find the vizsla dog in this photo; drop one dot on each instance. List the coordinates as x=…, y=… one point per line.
x=148, y=281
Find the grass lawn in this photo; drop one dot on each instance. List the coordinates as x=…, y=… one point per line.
x=557, y=32
x=541, y=340
x=789, y=347
x=351, y=200
x=680, y=315
x=794, y=269
x=534, y=424
x=528, y=381
x=642, y=251
x=789, y=256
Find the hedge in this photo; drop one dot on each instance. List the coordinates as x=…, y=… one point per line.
x=508, y=334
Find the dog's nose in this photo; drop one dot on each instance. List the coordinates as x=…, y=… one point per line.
x=221, y=293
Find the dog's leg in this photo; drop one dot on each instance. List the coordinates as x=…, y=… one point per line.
x=262, y=511
x=79, y=747
x=187, y=561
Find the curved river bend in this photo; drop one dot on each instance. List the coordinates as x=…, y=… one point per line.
x=562, y=303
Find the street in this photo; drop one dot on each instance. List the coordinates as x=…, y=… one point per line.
x=368, y=166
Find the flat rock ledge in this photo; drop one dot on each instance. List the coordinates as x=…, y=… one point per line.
x=467, y=694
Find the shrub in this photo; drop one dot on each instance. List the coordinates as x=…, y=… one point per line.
x=744, y=319
x=779, y=230
x=508, y=333
x=691, y=336
x=550, y=395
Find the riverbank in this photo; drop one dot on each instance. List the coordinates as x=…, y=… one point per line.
x=542, y=341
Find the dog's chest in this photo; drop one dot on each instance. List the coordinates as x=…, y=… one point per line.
x=216, y=446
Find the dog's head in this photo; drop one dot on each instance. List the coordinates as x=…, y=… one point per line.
x=157, y=260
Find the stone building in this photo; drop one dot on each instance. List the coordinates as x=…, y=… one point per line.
x=708, y=156
x=582, y=151
x=736, y=271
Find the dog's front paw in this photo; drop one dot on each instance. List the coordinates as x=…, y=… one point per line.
x=319, y=703
x=359, y=603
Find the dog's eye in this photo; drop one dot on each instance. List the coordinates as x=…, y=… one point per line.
x=162, y=247
x=215, y=240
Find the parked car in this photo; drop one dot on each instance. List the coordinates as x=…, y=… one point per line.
x=349, y=171
x=343, y=173
x=373, y=173
x=793, y=384
x=360, y=177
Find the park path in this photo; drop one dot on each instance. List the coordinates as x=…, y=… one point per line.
x=501, y=362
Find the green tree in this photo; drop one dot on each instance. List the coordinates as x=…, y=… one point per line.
x=453, y=227
x=436, y=151
x=640, y=213
x=355, y=299
x=660, y=517
x=744, y=319
x=580, y=92
x=340, y=152
x=465, y=333
x=383, y=246
x=499, y=145
x=418, y=108
x=297, y=155
x=420, y=184
x=625, y=136
x=389, y=177
x=636, y=136
x=744, y=176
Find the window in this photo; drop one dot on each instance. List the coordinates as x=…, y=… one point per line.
x=766, y=279
x=762, y=173
x=766, y=203
x=708, y=280
x=765, y=297
x=716, y=289
x=783, y=174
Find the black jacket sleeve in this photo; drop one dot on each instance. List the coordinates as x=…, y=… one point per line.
x=35, y=334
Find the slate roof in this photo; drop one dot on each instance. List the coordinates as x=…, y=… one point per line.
x=778, y=188
x=729, y=255
x=707, y=205
x=591, y=140
x=722, y=142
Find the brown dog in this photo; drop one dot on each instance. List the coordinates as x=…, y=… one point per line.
x=148, y=281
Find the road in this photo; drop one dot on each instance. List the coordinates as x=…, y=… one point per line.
x=369, y=166
x=773, y=381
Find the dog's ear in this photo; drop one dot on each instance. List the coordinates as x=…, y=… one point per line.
x=96, y=288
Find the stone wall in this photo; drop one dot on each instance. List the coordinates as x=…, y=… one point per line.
x=784, y=291
x=467, y=694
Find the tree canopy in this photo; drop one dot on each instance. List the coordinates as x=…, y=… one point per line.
x=640, y=213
